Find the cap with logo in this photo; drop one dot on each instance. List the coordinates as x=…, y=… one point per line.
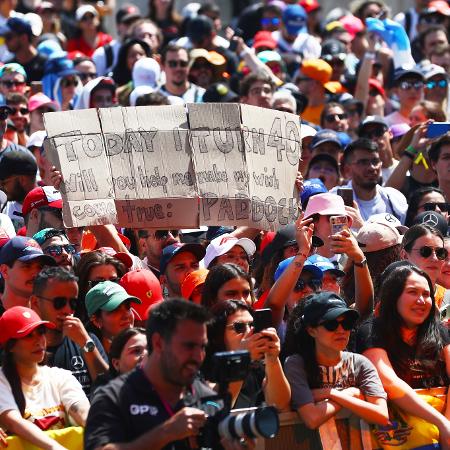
x=294, y=19
x=388, y=219
x=175, y=249
x=127, y=13
x=223, y=244
x=42, y=196
x=311, y=187
x=372, y=120
x=24, y=249
x=325, y=306
x=373, y=236
x=18, y=322
x=107, y=296
x=434, y=220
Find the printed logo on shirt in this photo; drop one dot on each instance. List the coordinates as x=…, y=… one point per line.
x=138, y=410
x=77, y=362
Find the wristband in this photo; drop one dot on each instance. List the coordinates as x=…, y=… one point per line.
x=410, y=152
x=363, y=263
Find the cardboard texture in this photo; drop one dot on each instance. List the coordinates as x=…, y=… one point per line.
x=176, y=166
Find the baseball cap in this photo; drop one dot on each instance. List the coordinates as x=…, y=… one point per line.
x=353, y=25
x=16, y=25
x=40, y=99
x=326, y=205
x=294, y=19
x=264, y=39
x=219, y=93
x=13, y=68
x=325, y=135
x=317, y=69
x=37, y=139
x=222, y=244
x=146, y=72
x=325, y=306
x=42, y=196
x=172, y=250
x=333, y=47
x=399, y=129
x=438, y=6
x=18, y=322
x=47, y=233
x=310, y=5
x=17, y=163
x=407, y=72
x=23, y=249
x=144, y=285
x=192, y=281
x=85, y=9
x=123, y=257
x=312, y=187
x=432, y=219
x=107, y=296
x=372, y=120
x=307, y=131
x=374, y=83
x=373, y=237
x=198, y=28
x=127, y=12
x=316, y=271
x=389, y=220
x=324, y=264
x=214, y=58
x=430, y=70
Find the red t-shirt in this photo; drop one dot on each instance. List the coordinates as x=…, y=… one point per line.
x=79, y=44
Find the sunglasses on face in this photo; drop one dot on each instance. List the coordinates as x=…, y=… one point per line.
x=174, y=64
x=67, y=82
x=426, y=251
x=406, y=85
x=430, y=206
x=22, y=111
x=61, y=302
x=11, y=83
x=336, y=59
x=164, y=234
x=92, y=283
x=240, y=327
x=332, y=325
x=56, y=250
x=332, y=117
x=266, y=21
x=315, y=284
x=434, y=84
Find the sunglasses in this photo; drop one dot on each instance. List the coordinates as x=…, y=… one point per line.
x=430, y=206
x=332, y=117
x=85, y=76
x=426, y=251
x=22, y=111
x=174, y=64
x=65, y=82
x=4, y=113
x=61, y=302
x=11, y=83
x=56, y=250
x=332, y=325
x=92, y=283
x=406, y=85
x=240, y=327
x=315, y=284
x=374, y=134
x=266, y=21
x=164, y=234
x=339, y=58
x=434, y=84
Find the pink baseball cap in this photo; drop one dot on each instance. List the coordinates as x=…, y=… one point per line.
x=40, y=99
x=326, y=204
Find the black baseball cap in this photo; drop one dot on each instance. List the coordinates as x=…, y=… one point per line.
x=410, y=72
x=17, y=162
x=325, y=306
x=127, y=13
x=434, y=220
x=171, y=250
x=16, y=25
x=198, y=28
x=372, y=120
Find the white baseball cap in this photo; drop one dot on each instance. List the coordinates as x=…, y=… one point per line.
x=223, y=244
x=138, y=92
x=84, y=9
x=388, y=219
x=36, y=139
x=146, y=72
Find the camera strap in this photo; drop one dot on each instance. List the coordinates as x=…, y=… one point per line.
x=168, y=408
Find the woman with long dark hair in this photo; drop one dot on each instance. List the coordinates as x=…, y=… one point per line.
x=428, y=198
x=34, y=397
x=323, y=376
x=408, y=345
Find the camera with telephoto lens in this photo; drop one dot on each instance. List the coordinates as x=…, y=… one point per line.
x=250, y=423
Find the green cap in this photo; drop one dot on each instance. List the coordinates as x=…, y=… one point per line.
x=107, y=296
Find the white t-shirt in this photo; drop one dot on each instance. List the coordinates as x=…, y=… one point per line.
x=386, y=172
x=48, y=401
x=14, y=211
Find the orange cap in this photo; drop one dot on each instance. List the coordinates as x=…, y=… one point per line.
x=317, y=69
x=193, y=280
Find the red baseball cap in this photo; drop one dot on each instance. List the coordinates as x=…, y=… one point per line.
x=374, y=83
x=264, y=39
x=143, y=284
x=18, y=322
x=42, y=196
x=309, y=5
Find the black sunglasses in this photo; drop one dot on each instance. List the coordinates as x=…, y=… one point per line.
x=315, y=284
x=61, y=302
x=332, y=325
x=426, y=251
x=332, y=117
x=431, y=206
x=11, y=83
x=240, y=327
x=56, y=250
x=181, y=63
x=164, y=234
x=22, y=111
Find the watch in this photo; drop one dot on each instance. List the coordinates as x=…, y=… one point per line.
x=89, y=347
x=363, y=263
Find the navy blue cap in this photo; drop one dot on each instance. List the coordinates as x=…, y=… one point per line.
x=21, y=248
x=16, y=25
x=171, y=250
x=325, y=136
x=325, y=306
x=403, y=73
x=312, y=187
x=317, y=273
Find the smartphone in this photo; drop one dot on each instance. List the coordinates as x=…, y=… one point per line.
x=233, y=43
x=347, y=195
x=437, y=129
x=338, y=223
x=262, y=319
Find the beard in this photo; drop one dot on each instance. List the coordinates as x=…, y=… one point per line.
x=17, y=193
x=171, y=370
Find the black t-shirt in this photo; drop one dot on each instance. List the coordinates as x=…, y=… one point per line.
x=34, y=68
x=252, y=393
x=69, y=356
x=128, y=407
x=418, y=372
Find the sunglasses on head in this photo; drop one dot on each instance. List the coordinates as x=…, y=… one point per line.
x=240, y=327
x=22, y=111
x=431, y=206
x=61, y=302
x=56, y=250
x=92, y=283
x=347, y=323
x=332, y=117
x=434, y=84
x=315, y=284
x=426, y=251
x=164, y=234
x=181, y=63
x=406, y=85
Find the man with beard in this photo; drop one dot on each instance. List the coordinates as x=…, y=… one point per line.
x=17, y=177
x=175, y=63
x=55, y=243
x=154, y=405
x=21, y=259
x=362, y=166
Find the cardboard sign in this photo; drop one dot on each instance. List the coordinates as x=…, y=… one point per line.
x=176, y=166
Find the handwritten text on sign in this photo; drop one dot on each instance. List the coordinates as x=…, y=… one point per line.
x=171, y=166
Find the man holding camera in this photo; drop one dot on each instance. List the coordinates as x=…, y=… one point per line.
x=154, y=406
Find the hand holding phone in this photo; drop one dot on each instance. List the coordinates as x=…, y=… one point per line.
x=347, y=195
x=262, y=319
x=338, y=223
